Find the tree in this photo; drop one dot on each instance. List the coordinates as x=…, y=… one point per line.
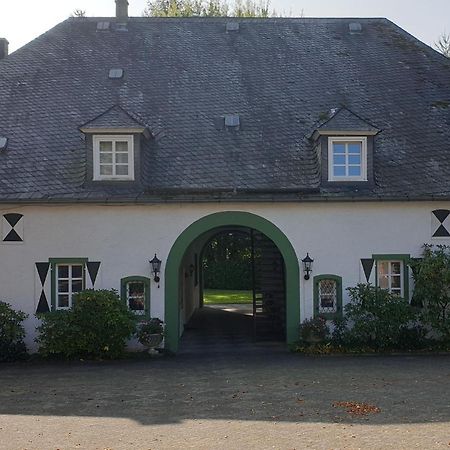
x=208, y=8
x=432, y=287
x=443, y=44
x=79, y=13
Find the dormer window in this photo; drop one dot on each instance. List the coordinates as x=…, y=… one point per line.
x=113, y=157
x=347, y=158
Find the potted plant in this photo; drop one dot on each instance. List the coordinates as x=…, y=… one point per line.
x=150, y=333
x=314, y=331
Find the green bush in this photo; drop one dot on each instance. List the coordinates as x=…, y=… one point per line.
x=12, y=333
x=432, y=288
x=314, y=330
x=97, y=327
x=376, y=319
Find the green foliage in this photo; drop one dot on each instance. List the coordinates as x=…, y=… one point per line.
x=227, y=262
x=97, y=327
x=12, y=333
x=314, y=330
x=376, y=319
x=148, y=328
x=220, y=297
x=207, y=8
x=432, y=287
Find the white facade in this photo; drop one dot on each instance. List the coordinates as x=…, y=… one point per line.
x=124, y=237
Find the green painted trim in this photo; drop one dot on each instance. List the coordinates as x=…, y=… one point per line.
x=230, y=218
x=316, y=280
x=147, y=283
x=395, y=257
x=53, y=263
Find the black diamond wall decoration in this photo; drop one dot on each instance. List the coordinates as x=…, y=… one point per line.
x=12, y=236
x=93, y=268
x=43, y=304
x=441, y=214
x=441, y=232
x=13, y=218
x=12, y=227
x=367, y=265
x=441, y=223
x=42, y=269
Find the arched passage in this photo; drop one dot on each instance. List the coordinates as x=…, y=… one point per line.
x=222, y=219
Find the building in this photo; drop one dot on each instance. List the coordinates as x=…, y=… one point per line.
x=122, y=138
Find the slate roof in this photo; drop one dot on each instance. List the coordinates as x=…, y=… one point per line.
x=343, y=119
x=183, y=75
x=114, y=118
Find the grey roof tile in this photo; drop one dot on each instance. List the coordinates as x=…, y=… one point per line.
x=182, y=74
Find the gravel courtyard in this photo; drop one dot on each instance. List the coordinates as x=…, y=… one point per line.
x=227, y=401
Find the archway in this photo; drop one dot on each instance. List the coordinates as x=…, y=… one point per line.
x=229, y=219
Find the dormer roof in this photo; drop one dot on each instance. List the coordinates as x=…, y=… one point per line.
x=117, y=120
x=343, y=121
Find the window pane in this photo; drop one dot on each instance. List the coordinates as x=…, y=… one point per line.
x=395, y=268
x=383, y=282
x=136, y=296
x=383, y=267
x=339, y=148
x=395, y=282
x=77, y=271
x=136, y=288
x=122, y=146
x=122, y=158
x=339, y=171
x=354, y=171
x=77, y=286
x=327, y=296
x=106, y=170
x=354, y=159
x=63, y=301
x=63, y=286
x=106, y=158
x=63, y=271
x=354, y=148
x=121, y=170
x=105, y=146
x=339, y=159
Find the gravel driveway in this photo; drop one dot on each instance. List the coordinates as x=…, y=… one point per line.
x=259, y=400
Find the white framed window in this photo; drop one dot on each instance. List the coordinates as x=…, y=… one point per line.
x=347, y=159
x=136, y=294
x=69, y=281
x=113, y=157
x=390, y=276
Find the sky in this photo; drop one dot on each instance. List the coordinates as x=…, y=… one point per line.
x=23, y=20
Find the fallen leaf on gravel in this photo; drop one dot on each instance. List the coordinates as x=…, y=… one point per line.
x=358, y=409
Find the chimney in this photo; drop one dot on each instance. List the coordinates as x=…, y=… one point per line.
x=3, y=48
x=122, y=9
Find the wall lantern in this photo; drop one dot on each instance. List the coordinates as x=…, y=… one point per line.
x=307, y=266
x=156, y=268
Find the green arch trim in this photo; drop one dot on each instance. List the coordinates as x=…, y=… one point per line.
x=229, y=218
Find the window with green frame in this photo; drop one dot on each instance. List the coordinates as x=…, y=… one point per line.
x=392, y=273
x=68, y=277
x=327, y=296
x=135, y=292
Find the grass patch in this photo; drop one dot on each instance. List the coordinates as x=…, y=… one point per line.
x=219, y=297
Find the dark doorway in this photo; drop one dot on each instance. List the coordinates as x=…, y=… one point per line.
x=243, y=295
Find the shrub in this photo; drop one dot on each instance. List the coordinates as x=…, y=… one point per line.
x=376, y=319
x=432, y=288
x=97, y=327
x=314, y=330
x=12, y=333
